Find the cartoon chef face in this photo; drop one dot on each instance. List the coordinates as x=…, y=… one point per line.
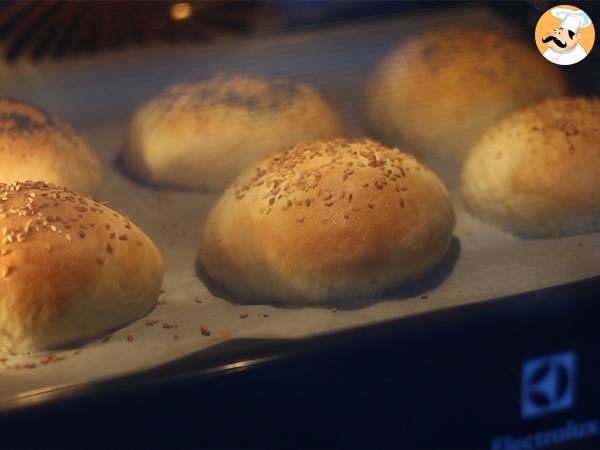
x=561, y=40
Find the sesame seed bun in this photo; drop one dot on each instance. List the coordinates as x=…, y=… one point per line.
x=201, y=135
x=537, y=172
x=70, y=268
x=35, y=146
x=438, y=92
x=327, y=220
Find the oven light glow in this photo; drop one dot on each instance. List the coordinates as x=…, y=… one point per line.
x=181, y=11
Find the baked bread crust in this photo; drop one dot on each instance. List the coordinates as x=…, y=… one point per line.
x=327, y=220
x=537, y=172
x=71, y=268
x=202, y=135
x=36, y=146
x=437, y=93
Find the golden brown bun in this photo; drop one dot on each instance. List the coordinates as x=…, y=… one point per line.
x=327, y=220
x=437, y=93
x=35, y=146
x=70, y=268
x=537, y=172
x=202, y=135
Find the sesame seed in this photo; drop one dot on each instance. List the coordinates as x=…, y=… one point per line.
x=123, y=237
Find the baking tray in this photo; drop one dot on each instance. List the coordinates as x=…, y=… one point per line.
x=449, y=379
x=99, y=94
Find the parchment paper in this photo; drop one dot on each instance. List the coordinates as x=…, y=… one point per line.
x=98, y=95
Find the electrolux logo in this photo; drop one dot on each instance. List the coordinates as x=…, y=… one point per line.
x=548, y=384
x=570, y=432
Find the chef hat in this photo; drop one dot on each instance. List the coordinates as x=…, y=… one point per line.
x=571, y=19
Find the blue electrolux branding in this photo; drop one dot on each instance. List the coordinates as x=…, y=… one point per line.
x=548, y=385
x=568, y=432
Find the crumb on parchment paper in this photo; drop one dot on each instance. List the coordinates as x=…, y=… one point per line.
x=52, y=359
x=48, y=359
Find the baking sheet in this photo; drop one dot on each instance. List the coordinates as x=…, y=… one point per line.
x=98, y=95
